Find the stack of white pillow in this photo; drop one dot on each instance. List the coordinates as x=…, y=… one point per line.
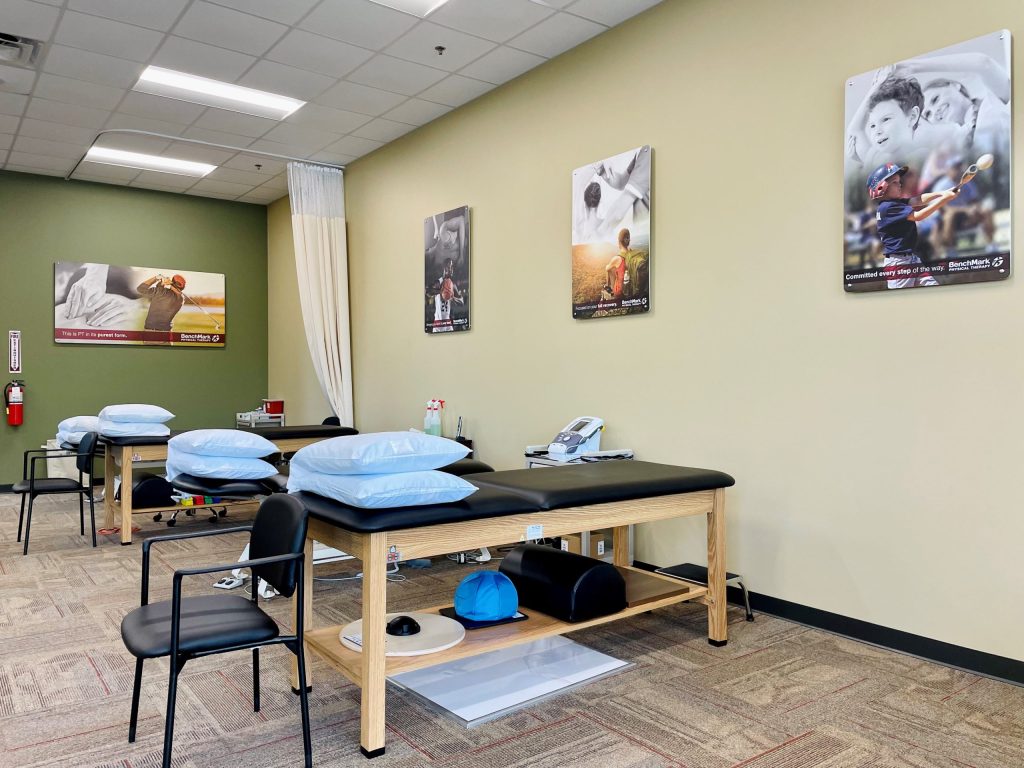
x=221, y=454
x=134, y=420
x=72, y=430
x=380, y=470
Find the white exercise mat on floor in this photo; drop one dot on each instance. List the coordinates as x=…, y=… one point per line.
x=484, y=687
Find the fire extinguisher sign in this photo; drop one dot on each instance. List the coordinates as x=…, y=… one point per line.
x=14, y=351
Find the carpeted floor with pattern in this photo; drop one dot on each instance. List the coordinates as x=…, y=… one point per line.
x=779, y=695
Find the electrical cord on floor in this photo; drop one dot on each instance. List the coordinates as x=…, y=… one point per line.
x=390, y=576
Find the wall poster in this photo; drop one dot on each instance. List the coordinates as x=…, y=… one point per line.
x=159, y=306
x=928, y=169
x=611, y=235
x=446, y=269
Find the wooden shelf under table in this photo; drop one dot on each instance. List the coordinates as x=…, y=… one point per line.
x=641, y=596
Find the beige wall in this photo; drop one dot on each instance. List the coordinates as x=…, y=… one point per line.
x=874, y=438
x=290, y=373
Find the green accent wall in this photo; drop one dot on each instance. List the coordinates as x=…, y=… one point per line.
x=44, y=220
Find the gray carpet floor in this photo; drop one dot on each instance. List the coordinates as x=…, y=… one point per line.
x=779, y=695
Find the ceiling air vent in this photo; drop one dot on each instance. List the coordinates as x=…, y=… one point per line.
x=19, y=51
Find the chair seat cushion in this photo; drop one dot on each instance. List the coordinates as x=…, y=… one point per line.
x=208, y=623
x=48, y=485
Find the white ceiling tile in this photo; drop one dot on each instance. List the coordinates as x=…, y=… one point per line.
x=3, y=158
x=287, y=12
x=418, y=45
x=20, y=17
x=286, y=81
x=16, y=79
x=235, y=122
x=157, y=180
x=206, y=193
x=43, y=129
x=610, y=12
x=496, y=20
x=136, y=123
x=160, y=108
x=338, y=121
x=318, y=54
x=57, y=3
x=56, y=165
x=354, y=146
x=56, y=149
x=93, y=67
x=228, y=29
x=84, y=94
x=218, y=137
x=9, y=123
x=359, y=22
x=383, y=130
x=246, y=162
x=79, y=176
x=502, y=64
x=557, y=3
x=198, y=153
x=308, y=139
x=20, y=168
x=391, y=74
x=456, y=90
x=154, y=14
x=6, y=140
x=201, y=59
x=359, y=98
x=69, y=114
x=91, y=33
x=250, y=179
x=100, y=171
x=12, y=103
x=133, y=142
x=276, y=148
x=264, y=198
x=556, y=34
x=417, y=112
x=207, y=184
x=332, y=158
x=278, y=182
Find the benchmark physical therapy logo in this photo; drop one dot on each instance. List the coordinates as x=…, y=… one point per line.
x=93, y=335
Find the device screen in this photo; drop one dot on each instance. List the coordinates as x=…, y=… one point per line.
x=577, y=426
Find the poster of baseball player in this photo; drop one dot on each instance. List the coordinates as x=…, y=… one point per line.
x=611, y=235
x=927, y=169
x=446, y=260
x=109, y=304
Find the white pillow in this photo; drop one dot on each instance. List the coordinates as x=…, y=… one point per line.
x=218, y=467
x=403, y=489
x=376, y=453
x=133, y=429
x=79, y=424
x=223, y=442
x=138, y=412
x=74, y=438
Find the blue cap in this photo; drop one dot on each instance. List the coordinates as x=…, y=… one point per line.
x=881, y=174
x=486, y=596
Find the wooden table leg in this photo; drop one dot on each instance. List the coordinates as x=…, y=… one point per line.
x=109, y=472
x=620, y=545
x=307, y=601
x=126, y=494
x=717, y=631
x=371, y=731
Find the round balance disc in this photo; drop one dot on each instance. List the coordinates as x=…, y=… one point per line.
x=436, y=633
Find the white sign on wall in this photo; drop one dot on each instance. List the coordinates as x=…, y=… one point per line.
x=14, y=351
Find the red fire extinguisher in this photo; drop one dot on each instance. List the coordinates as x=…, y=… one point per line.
x=14, y=400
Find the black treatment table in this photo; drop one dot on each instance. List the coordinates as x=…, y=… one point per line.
x=126, y=451
x=562, y=500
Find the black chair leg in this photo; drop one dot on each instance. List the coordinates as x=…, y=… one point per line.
x=28, y=523
x=21, y=515
x=92, y=518
x=172, y=695
x=255, y=679
x=136, y=690
x=81, y=513
x=307, y=746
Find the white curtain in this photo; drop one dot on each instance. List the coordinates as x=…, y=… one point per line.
x=321, y=263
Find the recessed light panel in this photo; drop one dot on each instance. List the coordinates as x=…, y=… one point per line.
x=109, y=156
x=421, y=8
x=213, y=93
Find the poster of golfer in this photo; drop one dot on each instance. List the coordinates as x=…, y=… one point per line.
x=157, y=306
x=611, y=235
x=446, y=271
x=928, y=171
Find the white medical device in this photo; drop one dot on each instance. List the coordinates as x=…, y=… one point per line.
x=581, y=435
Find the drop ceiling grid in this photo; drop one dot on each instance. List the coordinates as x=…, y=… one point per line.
x=385, y=81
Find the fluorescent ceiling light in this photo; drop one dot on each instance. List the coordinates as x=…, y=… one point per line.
x=213, y=93
x=421, y=8
x=147, y=162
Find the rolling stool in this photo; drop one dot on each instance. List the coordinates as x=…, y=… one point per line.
x=699, y=575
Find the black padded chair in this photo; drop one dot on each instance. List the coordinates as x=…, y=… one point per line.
x=185, y=628
x=31, y=486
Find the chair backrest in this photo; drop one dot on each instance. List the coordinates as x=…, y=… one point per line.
x=87, y=452
x=279, y=529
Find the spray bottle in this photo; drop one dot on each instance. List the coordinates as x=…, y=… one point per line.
x=439, y=418
x=428, y=417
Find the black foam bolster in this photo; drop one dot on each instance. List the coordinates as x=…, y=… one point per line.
x=577, y=485
x=308, y=430
x=135, y=440
x=208, y=486
x=466, y=467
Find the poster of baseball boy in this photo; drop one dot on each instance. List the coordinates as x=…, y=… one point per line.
x=110, y=304
x=927, y=169
x=446, y=259
x=611, y=235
